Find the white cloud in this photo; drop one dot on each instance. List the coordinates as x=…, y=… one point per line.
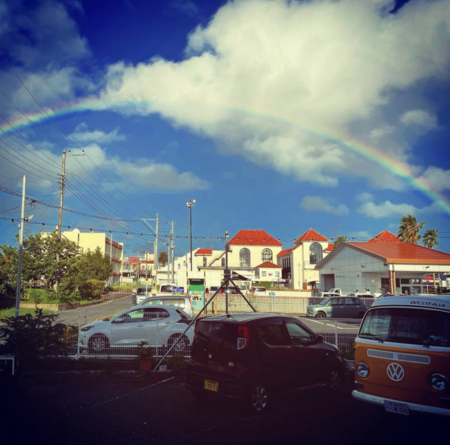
x=378, y=133
x=419, y=118
x=263, y=73
x=82, y=134
x=363, y=197
x=437, y=178
x=388, y=209
x=318, y=204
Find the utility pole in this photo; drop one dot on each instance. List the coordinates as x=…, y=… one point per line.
x=61, y=196
x=190, y=204
x=155, y=247
x=22, y=222
x=173, y=256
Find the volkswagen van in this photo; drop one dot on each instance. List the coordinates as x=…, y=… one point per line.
x=402, y=355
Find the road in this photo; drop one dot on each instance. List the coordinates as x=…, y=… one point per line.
x=90, y=313
x=157, y=409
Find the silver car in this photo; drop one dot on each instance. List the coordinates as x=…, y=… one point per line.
x=181, y=301
x=158, y=325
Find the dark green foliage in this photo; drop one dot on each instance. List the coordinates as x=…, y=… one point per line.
x=176, y=364
x=91, y=289
x=32, y=338
x=163, y=258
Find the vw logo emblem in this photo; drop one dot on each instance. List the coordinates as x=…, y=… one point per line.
x=395, y=372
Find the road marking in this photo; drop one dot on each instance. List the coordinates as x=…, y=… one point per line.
x=127, y=394
x=331, y=325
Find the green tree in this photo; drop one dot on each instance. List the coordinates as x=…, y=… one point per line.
x=430, y=238
x=409, y=229
x=163, y=258
x=340, y=239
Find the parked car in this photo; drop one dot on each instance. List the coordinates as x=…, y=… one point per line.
x=213, y=289
x=183, y=303
x=158, y=325
x=141, y=295
x=258, y=291
x=326, y=295
x=167, y=288
x=337, y=307
x=361, y=295
x=252, y=357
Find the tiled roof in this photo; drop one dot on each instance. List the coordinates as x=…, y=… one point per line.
x=329, y=248
x=269, y=265
x=254, y=238
x=285, y=252
x=204, y=252
x=311, y=235
x=405, y=253
x=385, y=237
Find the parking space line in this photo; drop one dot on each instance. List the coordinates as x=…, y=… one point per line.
x=127, y=394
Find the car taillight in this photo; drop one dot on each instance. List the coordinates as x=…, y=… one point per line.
x=243, y=337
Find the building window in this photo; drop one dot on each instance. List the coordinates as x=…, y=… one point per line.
x=315, y=253
x=244, y=257
x=277, y=274
x=266, y=255
x=263, y=273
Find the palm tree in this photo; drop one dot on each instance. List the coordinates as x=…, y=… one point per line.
x=409, y=229
x=162, y=258
x=430, y=238
x=340, y=239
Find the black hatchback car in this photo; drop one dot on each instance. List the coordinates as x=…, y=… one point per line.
x=253, y=357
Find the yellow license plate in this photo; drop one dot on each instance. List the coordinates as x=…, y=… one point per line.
x=211, y=385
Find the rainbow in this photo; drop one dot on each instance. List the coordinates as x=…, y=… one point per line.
x=397, y=168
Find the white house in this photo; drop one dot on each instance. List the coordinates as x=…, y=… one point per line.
x=298, y=263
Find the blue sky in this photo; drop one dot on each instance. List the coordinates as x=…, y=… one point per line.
x=275, y=115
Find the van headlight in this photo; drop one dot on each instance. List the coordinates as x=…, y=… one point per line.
x=363, y=369
x=439, y=382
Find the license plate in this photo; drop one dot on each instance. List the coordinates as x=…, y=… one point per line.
x=211, y=385
x=396, y=407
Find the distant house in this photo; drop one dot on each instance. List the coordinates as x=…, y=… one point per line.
x=298, y=263
x=268, y=271
x=382, y=262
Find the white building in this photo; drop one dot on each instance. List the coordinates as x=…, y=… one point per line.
x=299, y=262
x=382, y=262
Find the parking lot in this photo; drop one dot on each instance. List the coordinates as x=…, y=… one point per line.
x=90, y=407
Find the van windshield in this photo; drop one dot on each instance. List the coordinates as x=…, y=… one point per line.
x=407, y=325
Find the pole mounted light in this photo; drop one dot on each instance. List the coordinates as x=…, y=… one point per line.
x=190, y=204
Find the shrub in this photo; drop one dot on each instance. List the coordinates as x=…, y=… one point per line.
x=32, y=338
x=92, y=289
x=176, y=364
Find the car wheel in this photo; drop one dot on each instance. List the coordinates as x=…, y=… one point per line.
x=334, y=382
x=321, y=315
x=259, y=398
x=98, y=343
x=181, y=346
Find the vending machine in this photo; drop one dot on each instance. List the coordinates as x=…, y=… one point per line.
x=197, y=294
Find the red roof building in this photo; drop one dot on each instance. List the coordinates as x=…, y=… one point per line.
x=310, y=235
x=204, y=252
x=253, y=238
x=385, y=237
x=269, y=265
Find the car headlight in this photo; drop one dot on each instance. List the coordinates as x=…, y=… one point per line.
x=439, y=382
x=86, y=328
x=363, y=369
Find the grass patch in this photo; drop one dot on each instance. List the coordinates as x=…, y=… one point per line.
x=11, y=312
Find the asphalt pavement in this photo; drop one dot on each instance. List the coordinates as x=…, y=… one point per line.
x=129, y=408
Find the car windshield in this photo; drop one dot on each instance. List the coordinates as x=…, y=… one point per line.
x=407, y=325
x=325, y=302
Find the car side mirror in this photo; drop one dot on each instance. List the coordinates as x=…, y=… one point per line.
x=319, y=339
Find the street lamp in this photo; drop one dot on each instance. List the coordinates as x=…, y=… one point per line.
x=190, y=204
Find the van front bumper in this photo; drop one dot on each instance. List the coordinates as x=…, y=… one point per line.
x=376, y=400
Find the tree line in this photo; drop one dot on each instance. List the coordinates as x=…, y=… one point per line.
x=68, y=277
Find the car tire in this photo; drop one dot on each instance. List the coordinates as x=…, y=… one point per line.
x=98, y=343
x=334, y=381
x=259, y=398
x=182, y=346
x=321, y=315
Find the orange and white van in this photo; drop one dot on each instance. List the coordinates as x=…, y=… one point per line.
x=402, y=355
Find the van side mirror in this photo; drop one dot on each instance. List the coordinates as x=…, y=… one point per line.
x=319, y=339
